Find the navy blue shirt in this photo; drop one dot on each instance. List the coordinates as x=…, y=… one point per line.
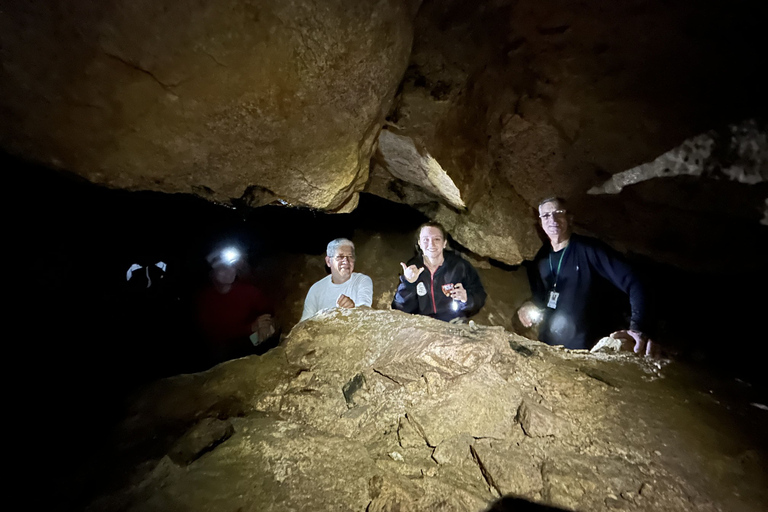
x=586, y=307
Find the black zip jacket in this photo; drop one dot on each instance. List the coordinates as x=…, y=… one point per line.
x=426, y=297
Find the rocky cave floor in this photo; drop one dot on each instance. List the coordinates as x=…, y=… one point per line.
x=373, y=410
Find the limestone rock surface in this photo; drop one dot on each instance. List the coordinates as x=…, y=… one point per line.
x=265, y=101
x=521, y=100
x=201, y=438
x=472, y=111
x=434, y=425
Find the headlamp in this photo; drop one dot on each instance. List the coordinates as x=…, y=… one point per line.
x=230, y=255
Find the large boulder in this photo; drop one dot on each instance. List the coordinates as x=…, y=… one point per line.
x=516, y=101
x=263, y=101
x=381, y=410
x=487, y=108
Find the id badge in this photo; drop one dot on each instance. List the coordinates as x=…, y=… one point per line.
x=552, y=303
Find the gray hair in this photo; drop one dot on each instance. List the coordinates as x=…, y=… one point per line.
x=334, y=245
x=552, y=199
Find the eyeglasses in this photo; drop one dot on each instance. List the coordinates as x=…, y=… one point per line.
x=342, y=257
x=558, y=213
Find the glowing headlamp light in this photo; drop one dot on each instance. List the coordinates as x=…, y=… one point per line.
x=230, y=255
x=535, y=316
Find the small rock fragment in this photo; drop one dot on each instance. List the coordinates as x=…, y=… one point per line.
x=614, y=503
x=453, y=450
x=408, y=435
x=628, y=495
x=609, y=345
x=538, y=421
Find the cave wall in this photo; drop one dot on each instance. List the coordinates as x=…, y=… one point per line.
x=472, y=111
x=522, y=100
x=265, y=100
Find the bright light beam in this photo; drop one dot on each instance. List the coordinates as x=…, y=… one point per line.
x=230, y=255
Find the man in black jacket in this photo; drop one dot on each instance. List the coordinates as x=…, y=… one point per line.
x=449, y=289
x=568, y=280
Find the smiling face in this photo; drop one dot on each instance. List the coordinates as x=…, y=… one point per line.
x=342, y=264
x=554, y=221
x=432, y=242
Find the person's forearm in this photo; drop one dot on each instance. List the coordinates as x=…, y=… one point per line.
x=405, y=297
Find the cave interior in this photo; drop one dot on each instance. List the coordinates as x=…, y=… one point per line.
x=162, y=143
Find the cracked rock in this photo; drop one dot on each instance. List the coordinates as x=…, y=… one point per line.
x=408, y=434
x=202, y=438
x=454, y=450
x=538, y=421
x=512, y=469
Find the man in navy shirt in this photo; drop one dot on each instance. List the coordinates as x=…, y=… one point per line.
x=570, y=280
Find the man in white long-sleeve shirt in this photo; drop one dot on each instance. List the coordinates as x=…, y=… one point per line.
x=344, y=288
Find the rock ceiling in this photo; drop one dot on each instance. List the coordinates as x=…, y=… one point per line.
x=470, y=111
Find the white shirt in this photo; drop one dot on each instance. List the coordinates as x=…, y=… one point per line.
x=324, y=293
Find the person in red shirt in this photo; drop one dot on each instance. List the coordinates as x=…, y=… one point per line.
x=235, y=317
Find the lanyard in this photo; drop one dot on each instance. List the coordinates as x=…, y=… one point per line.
x=552, y=270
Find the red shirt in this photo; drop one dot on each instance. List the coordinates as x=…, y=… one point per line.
x=228, y=316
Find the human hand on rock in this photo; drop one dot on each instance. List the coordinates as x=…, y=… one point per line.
x=459, y=292
x=345, y=302
x=411, y=273
x=642, y=344
x=529, y=314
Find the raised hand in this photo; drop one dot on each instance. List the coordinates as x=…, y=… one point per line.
x=411, y=273
x=459, y=292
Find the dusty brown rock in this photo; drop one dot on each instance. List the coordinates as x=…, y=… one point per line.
x=297, y=444
x=512, y=100
x=480, y=403
x=521, y=100
x=609, y=345
x=408, y=435
x=538, y=421
x=203, y=437
x=454, y=450
x=509, y=468
x=406, y=162
x=269, y=101
x=266, y=465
